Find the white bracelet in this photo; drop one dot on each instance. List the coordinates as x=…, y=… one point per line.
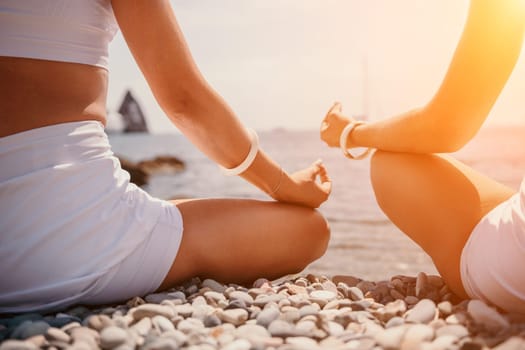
x=344, y=138
x=254, y=148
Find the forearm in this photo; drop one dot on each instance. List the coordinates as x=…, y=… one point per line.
x=484, y=59
x=212, y=126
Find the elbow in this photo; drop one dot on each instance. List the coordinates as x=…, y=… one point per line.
x=181, y=100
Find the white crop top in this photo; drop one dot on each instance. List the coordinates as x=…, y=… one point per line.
x=77, y=31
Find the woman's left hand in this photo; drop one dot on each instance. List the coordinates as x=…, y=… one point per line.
x=309, y=187
x=333, y=124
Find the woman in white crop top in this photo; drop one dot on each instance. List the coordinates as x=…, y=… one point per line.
x=73, y=229
x=471, y=226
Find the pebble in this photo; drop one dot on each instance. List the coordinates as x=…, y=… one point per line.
x=295, y=312
x=486, y=316
x=150, y=310
x=423, y=312
x=112, y=337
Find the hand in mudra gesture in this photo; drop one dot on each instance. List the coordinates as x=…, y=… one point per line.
x=333, y=124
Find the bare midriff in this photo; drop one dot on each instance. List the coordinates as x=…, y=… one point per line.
x=36, y=93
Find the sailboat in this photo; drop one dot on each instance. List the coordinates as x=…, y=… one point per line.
x=132, y=115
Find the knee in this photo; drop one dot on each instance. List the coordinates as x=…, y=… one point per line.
x=316, y=236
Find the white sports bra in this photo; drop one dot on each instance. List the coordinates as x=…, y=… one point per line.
x=77, y=31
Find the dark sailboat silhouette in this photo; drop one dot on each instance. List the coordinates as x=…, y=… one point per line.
x=132, y=115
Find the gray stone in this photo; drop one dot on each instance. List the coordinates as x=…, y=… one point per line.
x=267, y=316
x=211, y=321
x=28, y=329
x=240, y=295
x=111, y=337
x=214, y=285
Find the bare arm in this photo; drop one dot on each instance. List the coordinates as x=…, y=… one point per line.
x=484, y=59
x=157, y=43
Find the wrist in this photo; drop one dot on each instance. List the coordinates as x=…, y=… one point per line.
x=346, y=141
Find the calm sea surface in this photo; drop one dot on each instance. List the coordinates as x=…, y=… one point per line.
x=364, y=243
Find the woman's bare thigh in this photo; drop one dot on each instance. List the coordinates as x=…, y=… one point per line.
x=437, y=201
x=236, y=240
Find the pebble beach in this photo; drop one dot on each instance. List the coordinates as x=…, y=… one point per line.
x=300, y=312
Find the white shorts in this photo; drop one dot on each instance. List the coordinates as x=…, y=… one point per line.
x=492, y=261
x=73, y=229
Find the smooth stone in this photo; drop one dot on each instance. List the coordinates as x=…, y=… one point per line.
x=236, y=304
x=163, y=343
x=250, y=330
x=487, y=316
x=394, y=322
x=28, y=329
x=185, y=310
x=240, y=295
x=306, y=326
x=350, y=281
x=411, y=300
x=280, y=328
x=215, y=296
x=156, y=298
x=59, y=322
x=111, y=337
x=416, y=335
x=178, y=295
x=143, y=326
x=457, y=318
x=423, y=312
x=355, y=293
x=421, y=284
x=189, y=325
x=291, y=316
x=214, y=285
x=366, y=286
x=239, y=344
x=162, y=324
x=513, y=343
x=179, y=337
x=99, y=322
x=455, y=330
x=150, y=310
x=201, y=311
x=38, y=340
x=395, y=308
x=267, y=316
x=325, y=295
x=445, y=308
x=211, y=321
x=390, y=338
x=263, y=299
x=311, y=309
x=334, y=328
x=444, y=342
x=57, y=334
x=17, y=345
x=302, y=343
x=15, y=321
x=234, y=316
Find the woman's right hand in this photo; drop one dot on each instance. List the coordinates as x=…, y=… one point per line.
x=333, y=124
x=302, y=187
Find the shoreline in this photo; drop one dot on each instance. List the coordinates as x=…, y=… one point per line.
x=301, y=312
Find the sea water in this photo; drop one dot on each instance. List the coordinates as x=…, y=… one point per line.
x=364, y=242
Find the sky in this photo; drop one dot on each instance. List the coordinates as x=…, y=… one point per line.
x=282, y=63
